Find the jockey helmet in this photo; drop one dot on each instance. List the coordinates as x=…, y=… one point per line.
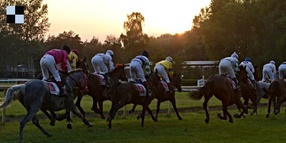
x=145, y=53
x=247, y=59
x=272, y=62
x=66, y=48
x=109, y=52
x=169, y=59
x=234, y=55
x=75, y=51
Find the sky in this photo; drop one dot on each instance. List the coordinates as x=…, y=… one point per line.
x=100, y=18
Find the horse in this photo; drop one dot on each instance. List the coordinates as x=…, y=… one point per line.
x=248, y=90
x=276, y=92
x=221, y=87
x=163, y=95
x=124, y=93
x=96, y=90
x=35, y=95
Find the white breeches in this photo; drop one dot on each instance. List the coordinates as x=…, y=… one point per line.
x=161, y=70
x=267, y=71
x=47, y=64
x=98, y=65
x=226, y=67
x=282, y=71
x=136, y=69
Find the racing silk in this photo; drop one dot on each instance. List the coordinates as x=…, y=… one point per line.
x=249, y=68
x=144, y=61
x=73, y=59
x=60, y=56
x=248, y=65
x=271, y=66
x=167, y=66
x=234, y=63
x=107, y=59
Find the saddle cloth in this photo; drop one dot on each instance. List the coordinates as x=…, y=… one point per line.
x=54, y=89
x=101, y=79
x=165, y=85
x=231, y=82
x=141, y=89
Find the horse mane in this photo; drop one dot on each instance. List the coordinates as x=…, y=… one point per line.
x=118, y=66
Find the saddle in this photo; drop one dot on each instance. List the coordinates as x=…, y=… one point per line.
x=101, y=78
x=53, y=87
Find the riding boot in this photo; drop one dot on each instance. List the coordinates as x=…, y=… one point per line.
x=236, y=84
x=169, y=87
x=63, y=91
x=145, y=84
x=106, y=77
x=253, y=83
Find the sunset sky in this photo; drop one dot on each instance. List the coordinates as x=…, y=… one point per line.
x=100, y=18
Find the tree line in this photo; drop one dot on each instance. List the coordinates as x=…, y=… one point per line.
x=252, y=28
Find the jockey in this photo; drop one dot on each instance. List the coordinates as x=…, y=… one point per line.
x=99, y=62
x=164, y=69
x=73, y=58
x=49, y=61
x=250, y=70
x=137, y=65
x=282, y=70
x=269, y=69
x=229, y=65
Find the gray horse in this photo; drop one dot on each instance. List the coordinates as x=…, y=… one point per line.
x=260, y=93
x=34, y=95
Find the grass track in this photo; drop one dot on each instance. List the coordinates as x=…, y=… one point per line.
x=168, y=129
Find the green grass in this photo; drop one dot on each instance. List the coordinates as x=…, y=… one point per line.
x=168, y=129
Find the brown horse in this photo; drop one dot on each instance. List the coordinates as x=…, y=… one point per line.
x=276, y=92
x=97, y=91
x=248, y=90
x=127, y=92
x=222, y=89
x=163, y=95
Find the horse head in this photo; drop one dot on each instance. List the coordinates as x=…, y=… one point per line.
x=118, y=72
x=242, y=74
x=76, y=78
x=177, y=81
x=83, y=65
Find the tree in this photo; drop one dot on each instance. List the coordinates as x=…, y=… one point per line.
x=134, y=39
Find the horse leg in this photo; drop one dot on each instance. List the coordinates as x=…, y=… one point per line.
x=151, y=114
x=68, y=117
x=94, y=105
x=143, y=114
x=51, y=117
x=36, y=123
x=173, y=101
x=114, y=108
x=269, y=107
x=133, y=109
x=86, y=122
x=78, y=104
x=100, y=105
x=225, y=112
x=158, y=108
x=205, y=104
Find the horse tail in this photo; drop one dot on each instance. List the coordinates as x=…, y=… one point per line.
x=13, y=93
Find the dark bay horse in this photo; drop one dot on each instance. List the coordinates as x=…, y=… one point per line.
x=35, y=95
x=96, y=90
x=248, y=90
x=277, y=95
x=222, y=89
x=124, y=93
x=163, y=95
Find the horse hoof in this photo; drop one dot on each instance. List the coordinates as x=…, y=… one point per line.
x=230, y=120
x=236, y=116
x=89, y=125
x=102, y=117
x=267, y=115
x=49, y=135
x=180, y=118
x=52, y=123
x=69, y=126
x=138, y=117
x=207, y=120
